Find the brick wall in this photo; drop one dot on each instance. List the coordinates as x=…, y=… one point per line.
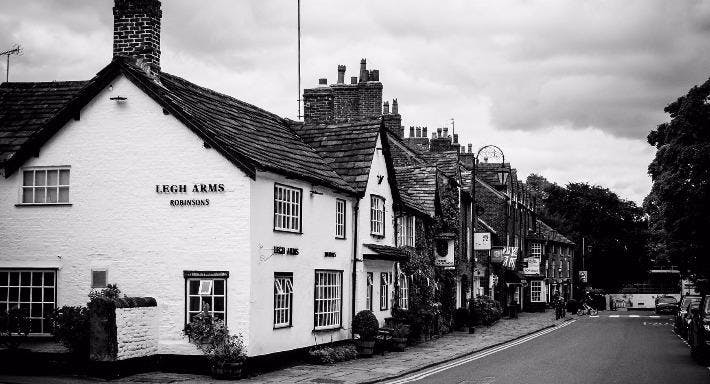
x=136, y=30
x=318, y=105
x=136, y=332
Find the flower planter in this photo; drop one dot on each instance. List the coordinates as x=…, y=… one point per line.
x=399, y=344
x=227, y=371
x=365, y=348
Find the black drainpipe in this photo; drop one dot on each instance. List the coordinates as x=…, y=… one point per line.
x=356, y=208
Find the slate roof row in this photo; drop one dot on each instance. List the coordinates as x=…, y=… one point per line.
x=545, y=232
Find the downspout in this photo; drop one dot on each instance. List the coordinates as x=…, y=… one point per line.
x=356, y=208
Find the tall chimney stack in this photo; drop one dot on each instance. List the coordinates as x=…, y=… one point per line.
x=136, y=31
x=363, y=71
x=341, y=74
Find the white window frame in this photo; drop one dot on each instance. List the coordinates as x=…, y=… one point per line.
x=340, y=206
x=377, y=215
x=288, y=208
x=40, y=299
x=368, y=291
x=40, y=187
x=283, y=300
x=403, y=291
x=385, y=278
x=536, y=250
x=201, y=283
x=328, y=299
x=536, y=291
x=406, y=230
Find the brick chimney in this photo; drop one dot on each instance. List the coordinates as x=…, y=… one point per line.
x=136, y=31
x=342, y=102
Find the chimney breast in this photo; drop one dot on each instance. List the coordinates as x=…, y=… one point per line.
x=136, y=31
x=341, y=74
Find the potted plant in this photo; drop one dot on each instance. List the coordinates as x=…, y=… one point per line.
x=400, y=333
x=365, y=325
x=225, y=353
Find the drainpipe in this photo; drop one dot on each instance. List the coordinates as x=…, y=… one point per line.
x=356, y=208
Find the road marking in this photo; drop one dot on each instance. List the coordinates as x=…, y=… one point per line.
x=614, y=315
x=634, y=316
x=479, y=355
x=654, y=316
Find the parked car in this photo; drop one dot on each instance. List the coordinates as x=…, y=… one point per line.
x=666, y=304
x=684, y=315
x=699, y=331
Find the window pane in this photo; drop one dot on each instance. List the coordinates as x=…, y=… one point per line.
x=14, y=278
x=24, y=294
x=36, y=325
x=25, y=278
x=219, y=287
x=36, y=279
x=52, y=177
x=36, y=294
x=39, y=195
x=194, y=287
x=3, y=280
x=64, y=177
x=49, y=278
x=218, y=304
x=3, y=296
x=40, y=177
x=27, y=195
x=28, y=178
x=36, y=310
x=63, y=195
x=49, y=294
x=14, y=295
x=194, y=304
x=52, y=195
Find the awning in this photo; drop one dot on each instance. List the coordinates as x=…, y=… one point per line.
x=513, y=277
x=386, y=252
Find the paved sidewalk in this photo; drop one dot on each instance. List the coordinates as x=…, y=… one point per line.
x=392, y=364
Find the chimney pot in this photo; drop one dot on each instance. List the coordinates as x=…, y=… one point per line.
x=341, y=74
x=411, y=131
x=419, y=132
x=395, y=107
x=424, y=132
x=470, y=148
x=386, y=108
x=446, y=131
x=353, y=79
x=322, y=81
x=456, y=138
x=374, y=75
x=363, y=71
x=438, y=132
x=433, y=135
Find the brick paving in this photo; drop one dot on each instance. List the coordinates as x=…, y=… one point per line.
x=378, y=367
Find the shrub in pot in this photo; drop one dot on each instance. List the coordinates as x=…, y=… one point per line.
x=400, y=333
x=485, y=310
x=365, y=325
x=461, y=318
x=225, y=352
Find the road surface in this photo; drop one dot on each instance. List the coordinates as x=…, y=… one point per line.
x=616, y=347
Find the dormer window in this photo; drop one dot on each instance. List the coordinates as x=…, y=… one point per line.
x=377, y=215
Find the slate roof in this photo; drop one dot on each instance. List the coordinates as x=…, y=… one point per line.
x=252, y=138
x=545, y=232
x=386, y=252
x=417, y=186
x=404, y=154
x=26, y=108
x=446, y=161
x=347, y=147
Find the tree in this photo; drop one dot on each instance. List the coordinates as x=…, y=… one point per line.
x=615, y=228
x=680, y=196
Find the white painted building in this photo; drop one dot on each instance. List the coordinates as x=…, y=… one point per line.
x=142, y=179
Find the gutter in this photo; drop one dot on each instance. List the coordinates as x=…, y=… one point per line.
x=356, y=208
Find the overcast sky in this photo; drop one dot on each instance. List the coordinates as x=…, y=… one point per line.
x=568, y=89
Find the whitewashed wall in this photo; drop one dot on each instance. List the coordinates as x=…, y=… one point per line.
x=379, y=167
x=137, y=332
x=318, y=237
x=117, y=221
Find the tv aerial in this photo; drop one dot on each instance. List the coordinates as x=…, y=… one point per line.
x=15, y=50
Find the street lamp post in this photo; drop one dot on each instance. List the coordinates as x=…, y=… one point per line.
x=489, y=152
